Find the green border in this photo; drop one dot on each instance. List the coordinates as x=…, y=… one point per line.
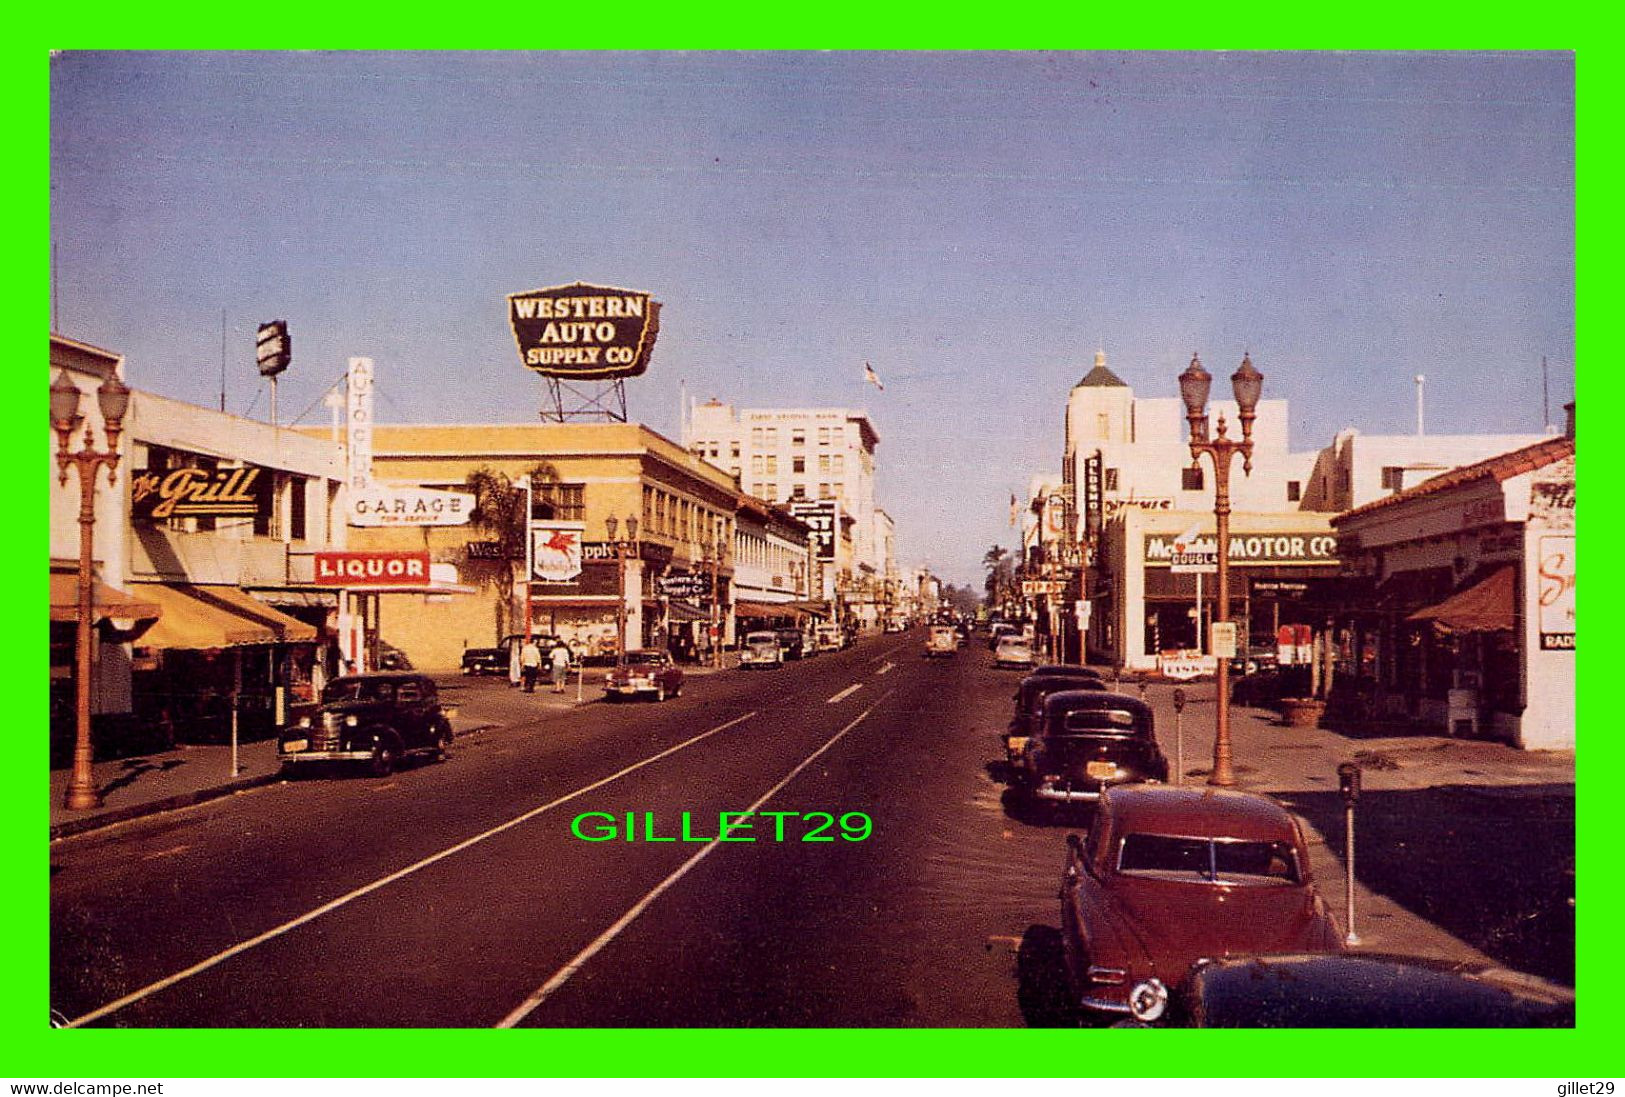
x=33, y=1050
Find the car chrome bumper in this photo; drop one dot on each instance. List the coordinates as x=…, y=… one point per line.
x=1104, y=1004
x=1047, y=791
x=327, y=756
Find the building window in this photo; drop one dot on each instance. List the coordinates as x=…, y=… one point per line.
x=838, y=463
x=772, y=495
x=296, y=508
x=798, y=437
x=1110, y=478
x=772, y=440
x=756, y=463
x=798, y=464
x=1294, y=490
x=824, y=492
x=733, y=450
x=1393, y=478
x=1191, y=478
x=840, y=490
x=756, y=435
x=559, y=502
x=798, y=491
x=1103, y=427
x=823, y=436
x=265, y=523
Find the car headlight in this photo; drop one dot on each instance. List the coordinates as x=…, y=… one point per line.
x=1148, y=1000
x=304, y=721
x=351, y=721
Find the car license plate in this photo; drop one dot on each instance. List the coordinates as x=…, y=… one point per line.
x=294, y=746
x=1102, y=769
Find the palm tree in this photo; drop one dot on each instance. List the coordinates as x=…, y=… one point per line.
x=1000, y=576
x=498, y=518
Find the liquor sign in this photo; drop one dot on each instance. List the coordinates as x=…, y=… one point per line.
x=160, y=494
x=1092, y=510
x=555, y=550
x=379, y=505
x=820, y=518
x=582, y=331
x=1556, y=593
x=372, y=569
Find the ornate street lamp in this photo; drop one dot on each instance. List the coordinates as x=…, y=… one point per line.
x=1194, y=385
x=114, y=400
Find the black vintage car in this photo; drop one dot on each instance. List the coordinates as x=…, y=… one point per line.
x=485, y=661
x=792, y=642
x=1364, y=990
x=371, y=719
x=1085, y=741
x=1029, y=698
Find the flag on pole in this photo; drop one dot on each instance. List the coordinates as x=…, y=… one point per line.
x=1014, y=510
x=872, y=377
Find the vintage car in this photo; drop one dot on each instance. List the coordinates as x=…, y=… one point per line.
x=1068, y=670
x=649, y=672
x=1364, y=990
x=1084, y=741
x=477, y=661
x=941, y=640
x=831, y=638
x=1171, y=876
x=1013, y=651
x=372, y=719
x=792, y=642
x=760, y=649
x=1029, y=698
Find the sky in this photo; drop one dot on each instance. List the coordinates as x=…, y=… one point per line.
x=975, y=226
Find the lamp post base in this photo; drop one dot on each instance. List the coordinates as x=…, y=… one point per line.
x=81, y=796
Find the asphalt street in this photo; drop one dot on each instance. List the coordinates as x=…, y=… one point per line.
x=457, y=895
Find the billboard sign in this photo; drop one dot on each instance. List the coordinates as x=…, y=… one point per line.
x=581, y=331
x=820, y=517
x=555, y=551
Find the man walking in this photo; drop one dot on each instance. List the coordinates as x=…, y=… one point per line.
x=530, y=664
x=560, y=661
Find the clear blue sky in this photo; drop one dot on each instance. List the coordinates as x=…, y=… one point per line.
x=973, y=225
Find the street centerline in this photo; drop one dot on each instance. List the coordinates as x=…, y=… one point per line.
x=348, y=897
x=845, y=693
x=564, y=974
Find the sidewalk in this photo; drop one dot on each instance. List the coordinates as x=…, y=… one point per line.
x=152, y=783
x=1425, y=827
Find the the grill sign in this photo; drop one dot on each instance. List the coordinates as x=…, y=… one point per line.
x=160, y=494
x=584, y=331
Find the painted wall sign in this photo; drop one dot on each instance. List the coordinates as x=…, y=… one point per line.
x=1555, y=590
x=1114, y=507
x=555, y=551
x=578, y=330
x=820, y=518
x=160, y=494
x=379, y=505
x=372, y=569
x=1309, y=547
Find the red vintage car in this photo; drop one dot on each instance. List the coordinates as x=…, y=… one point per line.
x=1170, y=876
x=650, y=672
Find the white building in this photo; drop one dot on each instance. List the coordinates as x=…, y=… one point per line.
x=772, y=569
x=1145, y=492
x=787, y=455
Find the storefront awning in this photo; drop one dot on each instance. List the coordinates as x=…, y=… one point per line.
x=202, y=617
x=813, y=609
x=1484, y=605
x=765, y=609
x=1404, y=591
x=681, y=611
x=105, y=601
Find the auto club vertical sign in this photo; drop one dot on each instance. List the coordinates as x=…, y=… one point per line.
x=583, y=331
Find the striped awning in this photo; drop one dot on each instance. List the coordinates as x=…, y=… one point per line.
x=105, y=601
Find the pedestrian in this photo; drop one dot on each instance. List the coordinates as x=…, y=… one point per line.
x=561, y=666
x=530, y=664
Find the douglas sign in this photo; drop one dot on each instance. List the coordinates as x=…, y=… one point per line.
x=582, y=331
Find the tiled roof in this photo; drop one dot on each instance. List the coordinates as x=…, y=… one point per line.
x=1501, y=467
x=1100, y=377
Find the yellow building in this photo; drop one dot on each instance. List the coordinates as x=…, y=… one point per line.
x=590, y=472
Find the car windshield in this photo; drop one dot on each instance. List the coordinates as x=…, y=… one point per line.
x=761, y=639
x=1215, y=860
x=1097, y=722
x=641, y=658
x=1013, y=643
x=359, y=689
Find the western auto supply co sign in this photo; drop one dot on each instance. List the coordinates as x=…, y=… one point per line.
x=582, y=331
x=372, y=569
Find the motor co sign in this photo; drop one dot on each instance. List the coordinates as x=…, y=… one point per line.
x=372, y=569
x=582, y=331
x=1316, y=547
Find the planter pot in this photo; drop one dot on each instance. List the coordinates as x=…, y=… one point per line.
x=1302, y=712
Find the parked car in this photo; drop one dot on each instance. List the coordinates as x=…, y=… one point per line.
x=1265, y=688
x=477, y=661
x=896, y=624
x=996, y=630
x=650, y=671
x=1364, y=990
x=941, y=640
x=1170, y=876
x=792, y=642
x=760, y=649
x=830, y=638
x=1084, y=741
x=371, y=719
x=1029, y=698
x=1013, y=651
x=1069, y=670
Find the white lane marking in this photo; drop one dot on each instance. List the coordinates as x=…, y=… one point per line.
x=845, y=693
x=563, y=975
x=348, y=897
x=884, y=669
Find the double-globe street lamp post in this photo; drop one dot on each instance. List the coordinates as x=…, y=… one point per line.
x=1194, y=385
x=613, y=526
x=114, y=399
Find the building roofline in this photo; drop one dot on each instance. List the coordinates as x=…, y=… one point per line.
x=1501, y=467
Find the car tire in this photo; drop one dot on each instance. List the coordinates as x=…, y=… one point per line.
x=660, y=694
x=442, y=751
x=383, y=758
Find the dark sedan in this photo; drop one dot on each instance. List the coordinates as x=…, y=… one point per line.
x=1170, y=876
x=644, y=672
x=371, y=719
x=1085, y=741
x=1029, y=698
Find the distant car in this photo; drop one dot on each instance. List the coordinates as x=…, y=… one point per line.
x=760, y=649
x=997, y=630
x=1085, y=741
x=477, y=661
x=896, y=624
x=941, y=640
x=374, y=720
x=393, y=658
x=1013, y=651
x=1170, y=876
x=830, y=638
x=793, y=642
x=1364, y=990
x=650, y=672
x=1029, y=698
